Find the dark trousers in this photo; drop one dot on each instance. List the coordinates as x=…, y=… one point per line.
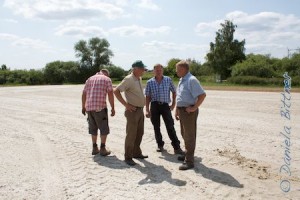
x=188, y=125
x=134, y=133
x=163, y=110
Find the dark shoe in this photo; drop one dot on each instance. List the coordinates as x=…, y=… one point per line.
x=185, y=166
x=140, y=156
x=130, y=162
x=160, y=149
x=179, y=151
x=104, y=152
x=181, y=158
x=95, y=150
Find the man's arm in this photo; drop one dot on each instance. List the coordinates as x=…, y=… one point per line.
x=148, y=100
x=173, y=100
x=121, y=99
x=111, y=102
x=199, y=101
x=83, y=100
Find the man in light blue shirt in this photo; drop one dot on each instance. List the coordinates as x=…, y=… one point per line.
x=190, y=96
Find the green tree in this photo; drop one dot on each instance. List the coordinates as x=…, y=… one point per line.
x=226, y=51
x=293, y=65
x=255, y=65
x=71, y=72
x=93, y=54
x=170, y=69
x=35, y=77
x=3, y=67
x=194, y=67
x=116, y=73
x=53, y=72
x=59, y=72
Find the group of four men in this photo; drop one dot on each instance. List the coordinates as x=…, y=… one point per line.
x=188, y=96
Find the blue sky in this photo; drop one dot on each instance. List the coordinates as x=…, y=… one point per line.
x=36, y=32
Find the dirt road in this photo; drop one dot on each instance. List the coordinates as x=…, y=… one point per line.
x=46, y=150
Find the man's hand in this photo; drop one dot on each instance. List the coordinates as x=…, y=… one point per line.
x=148, y=114
x=176, y=114
x=130, y=107
x=191, y=109
x=172, y=107
x=112, y=112
x=83, y=111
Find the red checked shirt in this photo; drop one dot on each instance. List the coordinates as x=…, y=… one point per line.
x=96, y=88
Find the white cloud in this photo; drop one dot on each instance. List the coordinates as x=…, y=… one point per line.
x=62, y=10
x=80, y=28
x=6, y=36
x=264, y=32
x=207, y=29
x=170, y=46
x=25, y=42
x=10, y=21
x=135, y=30
x=148, y=4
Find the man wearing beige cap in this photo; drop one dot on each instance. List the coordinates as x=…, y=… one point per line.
x=131, y=85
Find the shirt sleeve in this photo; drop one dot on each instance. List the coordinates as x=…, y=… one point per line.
x=147, y=89
x=172, y=86
x=109, y=86
x=195, y=87
x=123, y=85
x=85, y=86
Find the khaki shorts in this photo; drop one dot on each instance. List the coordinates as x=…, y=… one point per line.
x=98, y=120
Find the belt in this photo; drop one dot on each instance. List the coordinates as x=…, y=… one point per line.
x=181, y=107
x=159, y=102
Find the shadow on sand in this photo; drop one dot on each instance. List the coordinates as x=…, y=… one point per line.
x=110, y=162
x=156, y=174
x=208, y=173
x=215, y=175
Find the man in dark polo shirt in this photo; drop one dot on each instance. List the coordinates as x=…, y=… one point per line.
x=190, y=96
x=131, y=85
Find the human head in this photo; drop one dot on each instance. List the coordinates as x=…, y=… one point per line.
x=158, y=70
x=105, y=72
x=182, y=68
x=138, y=68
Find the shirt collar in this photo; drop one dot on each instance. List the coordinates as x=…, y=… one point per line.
x=185, y=76
x=163, y=77
x=134, y=77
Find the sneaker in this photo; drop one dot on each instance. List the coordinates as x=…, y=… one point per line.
x=186, y=166
x=95, y=150
x=104, y=152
x=179, y=151
x=130, y=162
x=160, y=149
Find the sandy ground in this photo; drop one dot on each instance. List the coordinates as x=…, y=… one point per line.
x=46, y=150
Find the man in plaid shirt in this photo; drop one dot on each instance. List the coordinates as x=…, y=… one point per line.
x=157, y=92
x=94, y=94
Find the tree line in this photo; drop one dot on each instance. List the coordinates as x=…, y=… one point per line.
x=93, y=55
x=226, y=60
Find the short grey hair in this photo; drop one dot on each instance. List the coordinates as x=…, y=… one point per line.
x=105, y=71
